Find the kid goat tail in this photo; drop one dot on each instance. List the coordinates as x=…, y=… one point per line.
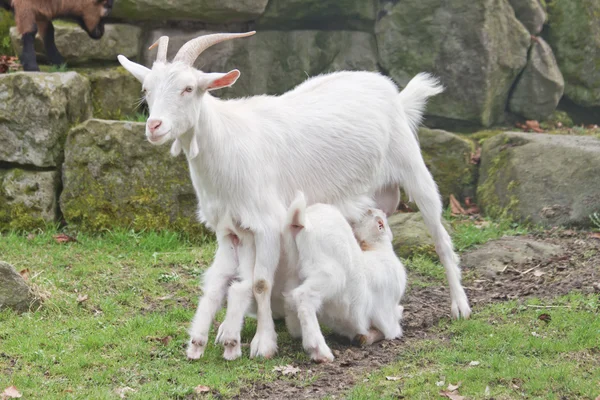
x=413, y=98
x=296, y=215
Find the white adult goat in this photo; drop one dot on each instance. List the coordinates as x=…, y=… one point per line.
x=339, y=137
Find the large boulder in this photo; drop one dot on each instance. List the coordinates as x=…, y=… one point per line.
x=112, y=177
x=273, y=62
x=116, y=93
x=78, y=48
x=36, y=110
x=314, y=14
x=540, y=86
x=28, y=199
x=574, y=35
x=545, y=179
x=216, y=11
x=448, y=158
x=531, y=13
x=411, y=235
x=477, y=49
x=14, y=292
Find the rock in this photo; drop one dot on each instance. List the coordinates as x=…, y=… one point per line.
x=574, y=35
x=492, y=257
x=78, y=48
x=447, y=157
x=273, y=62
x=411, y=234
x=215, y=11
x=545, y=179
x=531, y=13
x=28, y=199
x=14, y=292
x=540, y=86
x=113, y=177
x=115, y=92
x=319, y=14
x=36, y=110
x=477, y=49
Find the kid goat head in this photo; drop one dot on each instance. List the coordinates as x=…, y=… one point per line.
x=172, y=90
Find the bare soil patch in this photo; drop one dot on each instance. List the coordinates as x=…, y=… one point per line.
x=577, y=268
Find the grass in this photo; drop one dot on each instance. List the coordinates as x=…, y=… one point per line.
x=519, y=355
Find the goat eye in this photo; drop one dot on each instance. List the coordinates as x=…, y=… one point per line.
x=188, y=89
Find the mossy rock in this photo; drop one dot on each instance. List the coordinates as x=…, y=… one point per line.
x=477, y=49
x=411, y=235
x=36, y=111
x=273, y=62
x=113, y=177
x=543, y=179
x=28, y=199
x=215, y=11
x=116, y=94
x=319, y=14
x=574, y=35
x=14, y=292
x=531, y=13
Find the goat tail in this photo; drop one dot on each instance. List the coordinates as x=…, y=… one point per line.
x=296, y=215
x=413, y=98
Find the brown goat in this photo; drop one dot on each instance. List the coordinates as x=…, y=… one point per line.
x=37, y=15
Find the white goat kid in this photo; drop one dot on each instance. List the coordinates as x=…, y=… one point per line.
x=339, y=137
x=356, y=293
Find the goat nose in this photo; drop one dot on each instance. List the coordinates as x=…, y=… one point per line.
x=153, y=124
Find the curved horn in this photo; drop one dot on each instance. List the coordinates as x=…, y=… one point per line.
x=162, y=43
x=192, y=49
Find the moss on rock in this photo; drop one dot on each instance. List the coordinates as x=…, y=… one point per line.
x=411, y=235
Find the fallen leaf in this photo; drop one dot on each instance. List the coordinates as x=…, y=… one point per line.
x=476, y=156
x=595, y=235
x=286, y=369
x=474, y=363
x=393, y=378
x=63, y=238
x=11, y=392
x=24, y=274
x=82, y=297
x=164, y=340
x=201, y=389
x=545, y=317
x=451, y=395
x=534, y=126
x=122, y=392
x=455, y=206
x=452, y=387
x=167, y=297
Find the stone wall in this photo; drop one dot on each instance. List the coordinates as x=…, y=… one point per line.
x=499, y=60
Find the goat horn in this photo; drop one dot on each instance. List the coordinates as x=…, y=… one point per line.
x=162, y=43
x=192, y=49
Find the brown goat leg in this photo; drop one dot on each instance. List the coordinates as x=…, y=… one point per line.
x=25, y=20
x=46, y=30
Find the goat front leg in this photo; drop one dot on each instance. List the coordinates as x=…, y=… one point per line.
x=268, y=250
x=47, y=32
x=239, y=300
x=216, y=281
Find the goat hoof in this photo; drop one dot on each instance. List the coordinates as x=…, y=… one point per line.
x=195, y=348
x=264, y=346
x=232, y=352
x=361, y=340
x=321, y=356
x=460, y=308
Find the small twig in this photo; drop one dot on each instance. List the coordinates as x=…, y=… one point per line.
x=536, y=306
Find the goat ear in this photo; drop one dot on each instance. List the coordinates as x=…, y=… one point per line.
x=219, y=81
x=176, y=148
x=135, y=69
x=194, y=149
x=380, y=223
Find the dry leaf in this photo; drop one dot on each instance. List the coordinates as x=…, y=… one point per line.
x=81, y=298
x=476, y=156
x=595, y=235
x=534, y=126
x=474, y=363
x=545, y=317
x=287, y=369
x=451, y=395
x=393, y=378
x=10, y=392
x=455, y=206
x=62, y=238
x=24, y=274
x=201, y=389
x=452, y=387
x=164, y=340
x=122, y=392
x=167, y=297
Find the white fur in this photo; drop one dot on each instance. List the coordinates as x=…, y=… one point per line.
x=343, y=138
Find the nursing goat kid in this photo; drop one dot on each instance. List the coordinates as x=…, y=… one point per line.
x=342, y=138
x=356, y=293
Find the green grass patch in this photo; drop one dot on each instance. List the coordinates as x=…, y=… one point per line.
x=518, y=355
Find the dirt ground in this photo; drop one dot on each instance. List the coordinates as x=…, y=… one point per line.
x=578, y=268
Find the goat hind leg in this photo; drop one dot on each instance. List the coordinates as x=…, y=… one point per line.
x=47, y=32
